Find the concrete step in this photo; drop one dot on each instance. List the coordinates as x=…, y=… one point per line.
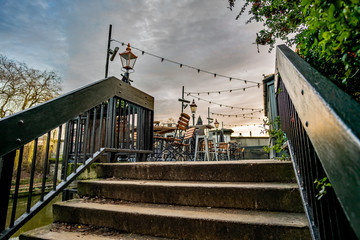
x=256, y=196
x=184, y=222
x=59, y=231
x=228, y=171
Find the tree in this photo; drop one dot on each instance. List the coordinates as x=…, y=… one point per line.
x=326, y=34
x=22, y=87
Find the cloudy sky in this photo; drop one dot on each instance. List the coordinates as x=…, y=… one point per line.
x=70, y=38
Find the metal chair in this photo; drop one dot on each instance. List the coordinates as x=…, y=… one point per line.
x=223, y=151
x=173, y=145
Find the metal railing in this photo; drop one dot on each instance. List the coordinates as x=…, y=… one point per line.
x=322, y=126
x=106, y=120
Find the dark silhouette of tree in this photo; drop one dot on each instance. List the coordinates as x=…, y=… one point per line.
x=22, y=87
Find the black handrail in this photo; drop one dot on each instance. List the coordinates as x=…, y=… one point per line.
x=22, y=127
x=91, y=123
x=322, y=125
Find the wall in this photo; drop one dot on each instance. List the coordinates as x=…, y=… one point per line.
x=251, y=141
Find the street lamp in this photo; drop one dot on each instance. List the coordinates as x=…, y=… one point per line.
x=216, y=123
x=128, y=60
x=193, y=107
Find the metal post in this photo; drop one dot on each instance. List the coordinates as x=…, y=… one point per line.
x=216, y=136
x=126, y=77
x=182, y=97
x=108, y=53
x=193, y=117
x=208, y=116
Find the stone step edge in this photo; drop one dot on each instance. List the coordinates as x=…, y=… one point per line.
x=190, y=184
x=256, y=196
x=56, y=231
x=265, y=171
x=297, y=220
x=185, y=223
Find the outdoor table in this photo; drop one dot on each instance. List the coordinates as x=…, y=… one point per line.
x=202, y=128
x=160, y=130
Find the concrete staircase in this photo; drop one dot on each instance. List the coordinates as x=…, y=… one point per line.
x=183, y=200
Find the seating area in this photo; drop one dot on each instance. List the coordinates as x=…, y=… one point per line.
x=191, y=143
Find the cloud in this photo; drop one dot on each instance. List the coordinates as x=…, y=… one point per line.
x=70, y=37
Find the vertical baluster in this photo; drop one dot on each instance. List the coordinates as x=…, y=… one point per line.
x=123, y=120
x=77, y=143
x=86, y=136
x=128, y=126
x=66, y=150
x=151, y=131
x=57, y=157
x=93, y=133
x=138, y=128
x=101, y=126
x=120, y=145
x=32, y=175
x=107, y=121
x=17, y=184
x=45, y=169
x=335, y=209
x=312, y=200
x=133, y=126
x=113, y=122
x=118, y=128
x=6, y=170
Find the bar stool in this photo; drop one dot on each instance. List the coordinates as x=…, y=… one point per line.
x=213, y=150
x=205, y=150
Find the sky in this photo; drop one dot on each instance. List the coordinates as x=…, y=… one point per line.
x=70, y=37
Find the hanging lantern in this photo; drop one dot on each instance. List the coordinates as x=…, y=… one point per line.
x=216, y=123
x=128, y=59
x=193, y=107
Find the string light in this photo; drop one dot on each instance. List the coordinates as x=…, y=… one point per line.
x=221, y=91
x=235, y=115
x=242, y=125
x=223, y=105
x=231, y=115
x=188, y=66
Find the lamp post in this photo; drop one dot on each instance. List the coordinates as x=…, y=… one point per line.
x=216, y=123
x=128, y=60
x=193, y=107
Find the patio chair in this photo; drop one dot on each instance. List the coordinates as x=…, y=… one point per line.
x=223, y=151
x=173, y=145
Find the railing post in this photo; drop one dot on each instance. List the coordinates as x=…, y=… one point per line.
x=6, y=170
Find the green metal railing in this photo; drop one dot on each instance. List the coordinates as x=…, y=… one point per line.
x=322, y=125
x=104, y=120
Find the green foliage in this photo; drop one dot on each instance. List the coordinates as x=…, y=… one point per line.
x=325, y=32
x=278, y=136
x=322, y=185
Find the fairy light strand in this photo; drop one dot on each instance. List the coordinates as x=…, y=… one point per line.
x=188, y=66
x=223, y=105
x=237, y=115
x=222, y=91
x=241, y=125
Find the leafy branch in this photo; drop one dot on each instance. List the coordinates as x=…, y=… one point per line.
x=322, y=185
x=279, y=137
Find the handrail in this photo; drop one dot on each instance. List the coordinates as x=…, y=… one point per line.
x=93, y=121
x=331, y=120
x=38, y=120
